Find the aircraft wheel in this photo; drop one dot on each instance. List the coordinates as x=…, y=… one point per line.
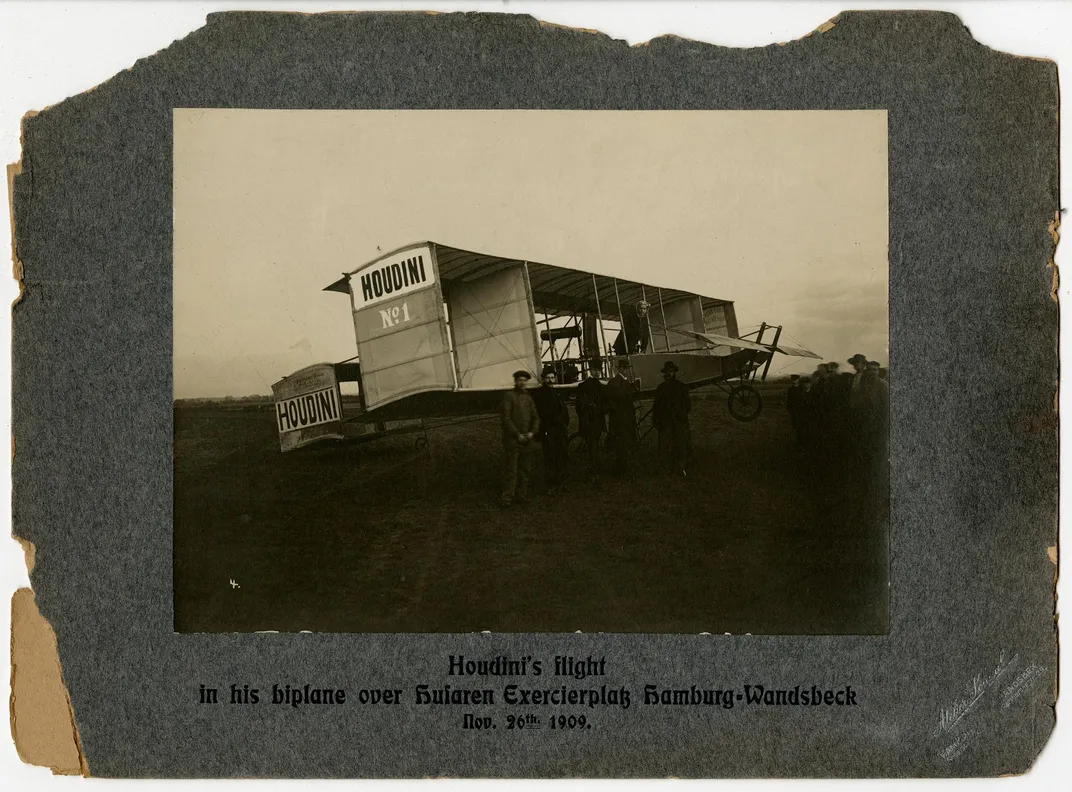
x=745, y=403
x=420, y=443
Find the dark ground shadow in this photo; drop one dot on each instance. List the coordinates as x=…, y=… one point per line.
x=761, y=538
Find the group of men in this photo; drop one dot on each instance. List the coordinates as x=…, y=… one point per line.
x=841, y=412
x=540, y=416
x=831, y=412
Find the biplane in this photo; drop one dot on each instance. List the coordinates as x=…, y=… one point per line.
x=440, y=332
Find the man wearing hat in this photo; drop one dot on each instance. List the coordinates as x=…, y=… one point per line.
x=868, y=405
x=859, y=363
x=621, y=411
x=870, y=416
x=670, y=416
x=520, y=423
x=554, y=430
x=591, y=414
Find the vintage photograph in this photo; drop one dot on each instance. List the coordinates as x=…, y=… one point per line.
x=531, y=371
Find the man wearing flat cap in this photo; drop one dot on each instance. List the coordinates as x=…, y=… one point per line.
x=520, y=424
x=670, y=416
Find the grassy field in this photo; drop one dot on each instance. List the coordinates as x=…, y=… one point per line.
x=382, y=537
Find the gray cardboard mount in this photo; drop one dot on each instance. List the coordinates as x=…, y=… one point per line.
x=965, y=682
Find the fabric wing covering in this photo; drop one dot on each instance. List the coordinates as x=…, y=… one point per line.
x=559, y=291
x=492, y=326
x=737, y=343
x=399, y=324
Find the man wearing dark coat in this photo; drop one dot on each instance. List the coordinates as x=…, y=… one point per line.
x=794, y=398
x=520, y=423
x=838, y=389
x=820, y=398
x=872, y=407
x=670, y=416
x=807, y=421
x=591, y=413
x=622, y=439
x=554, y=430
x=859, y=365
x=870, y=425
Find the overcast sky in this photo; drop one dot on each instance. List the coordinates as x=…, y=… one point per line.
x=785, y=213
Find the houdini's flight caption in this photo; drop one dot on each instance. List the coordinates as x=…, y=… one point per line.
x=563, y=692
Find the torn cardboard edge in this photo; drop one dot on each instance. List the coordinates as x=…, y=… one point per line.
x=839, y=18
x=13, y=170
x=42, y=720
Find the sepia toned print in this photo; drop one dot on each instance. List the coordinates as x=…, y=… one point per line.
x=460, y=520
x=599, y=371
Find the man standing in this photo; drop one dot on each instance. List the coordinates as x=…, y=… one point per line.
x=591, y=415
x=821, y=414
x=622, y=413
x=520, y=423
x=670, y=416
x=806, y=419
x=838, y=390
x=554, y=430
x=793, y=399
x=870, y=422
x=859, y=363
x=875, y=405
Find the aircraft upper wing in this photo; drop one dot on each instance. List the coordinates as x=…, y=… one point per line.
x=739, y=343
x=558, y=289
x=798, y=352
x=721, y=340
